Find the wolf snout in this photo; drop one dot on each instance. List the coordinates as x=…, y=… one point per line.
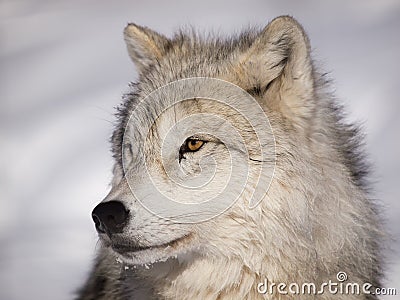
x=110, y=217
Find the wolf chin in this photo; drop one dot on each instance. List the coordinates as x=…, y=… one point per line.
x=315, y=218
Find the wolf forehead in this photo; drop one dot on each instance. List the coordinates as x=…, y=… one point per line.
x=188, y=53
x=251, y=60
x=160, y=60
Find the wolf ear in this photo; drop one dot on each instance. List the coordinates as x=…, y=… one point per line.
x=279, y=63
x=145, y=46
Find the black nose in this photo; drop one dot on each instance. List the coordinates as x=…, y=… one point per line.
x=110, y=217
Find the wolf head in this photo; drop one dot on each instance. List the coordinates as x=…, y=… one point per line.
x=214, y=148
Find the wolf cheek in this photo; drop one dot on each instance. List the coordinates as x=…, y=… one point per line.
x=218, y=191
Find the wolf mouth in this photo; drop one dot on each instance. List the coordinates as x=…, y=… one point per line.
x=123, y=249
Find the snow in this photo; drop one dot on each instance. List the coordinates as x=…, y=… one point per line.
x=63, y=69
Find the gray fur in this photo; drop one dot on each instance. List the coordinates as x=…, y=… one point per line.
x=318, y=218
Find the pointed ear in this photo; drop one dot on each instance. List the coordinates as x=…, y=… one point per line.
x=145, y=46
x=278, y=62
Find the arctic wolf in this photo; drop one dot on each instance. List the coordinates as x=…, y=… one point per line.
x=235, y=176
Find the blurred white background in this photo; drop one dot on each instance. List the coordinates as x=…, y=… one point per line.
x=63, y=69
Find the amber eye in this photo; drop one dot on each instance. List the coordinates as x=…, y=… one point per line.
x=194, y=145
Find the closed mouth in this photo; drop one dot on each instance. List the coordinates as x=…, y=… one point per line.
x=122, y=249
